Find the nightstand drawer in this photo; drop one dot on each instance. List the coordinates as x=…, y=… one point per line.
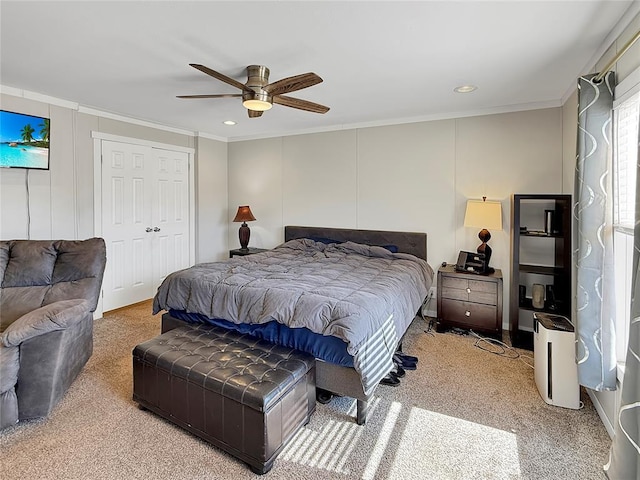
x=469, y=290
x=469, y=314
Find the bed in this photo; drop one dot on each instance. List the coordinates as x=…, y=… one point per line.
x=346, y=296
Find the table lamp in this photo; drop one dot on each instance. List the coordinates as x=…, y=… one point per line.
x=244, y=215
x=485, y=215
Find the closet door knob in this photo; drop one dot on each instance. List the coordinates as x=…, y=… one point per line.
x=156, y=229
x=148, y=229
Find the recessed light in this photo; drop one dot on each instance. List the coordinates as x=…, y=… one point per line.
x=229, y=122
x=465, y=89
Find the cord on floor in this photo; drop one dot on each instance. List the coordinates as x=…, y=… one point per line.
x=430, y=321
x=499, y=348
x=493, y=345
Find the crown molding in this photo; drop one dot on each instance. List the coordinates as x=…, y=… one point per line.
x=400, y=121
x=38, y=97
x=134, y=121
x=211, y=137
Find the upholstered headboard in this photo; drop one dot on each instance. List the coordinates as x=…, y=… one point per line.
x=414, y=243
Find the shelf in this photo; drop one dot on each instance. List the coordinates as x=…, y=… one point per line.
x=539, y=197
x=559, y=310
x=549, y=259
x=541, y=235
x=541, y=269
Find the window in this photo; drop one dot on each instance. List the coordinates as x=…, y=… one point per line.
x=625, y=164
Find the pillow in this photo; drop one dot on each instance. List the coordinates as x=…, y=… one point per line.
x=327, y=241
x=324, y=240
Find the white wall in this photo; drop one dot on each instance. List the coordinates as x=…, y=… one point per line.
x=318, y=176
x=414, y=177
x=51, y=193
x=255, y=179
x=212, y=224
x=60, y=201
x=406, y=182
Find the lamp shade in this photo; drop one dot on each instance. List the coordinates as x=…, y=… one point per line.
x=483, y=214
x=244, y=214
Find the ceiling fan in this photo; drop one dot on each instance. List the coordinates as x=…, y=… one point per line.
x=259, y=95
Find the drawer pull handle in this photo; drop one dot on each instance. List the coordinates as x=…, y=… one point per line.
x=467, y=313
x=468, y=290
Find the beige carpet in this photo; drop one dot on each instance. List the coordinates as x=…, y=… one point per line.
x=464, y=413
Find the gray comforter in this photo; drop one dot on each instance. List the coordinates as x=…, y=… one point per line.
x=367, y=296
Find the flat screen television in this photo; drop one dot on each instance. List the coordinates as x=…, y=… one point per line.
x=24, y=141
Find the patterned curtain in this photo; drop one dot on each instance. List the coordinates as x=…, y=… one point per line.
x=624, y=458
x=595, y=335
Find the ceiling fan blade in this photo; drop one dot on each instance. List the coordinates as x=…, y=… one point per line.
x=254, y=113
x=291, y=84
x=221, y=77
x=222, y=95
x=300, y=104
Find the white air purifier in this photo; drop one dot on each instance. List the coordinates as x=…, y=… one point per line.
x=556, y=371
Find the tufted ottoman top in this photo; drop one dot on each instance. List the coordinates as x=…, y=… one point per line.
x=251, y=371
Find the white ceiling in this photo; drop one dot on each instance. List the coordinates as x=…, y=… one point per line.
x=382, y=62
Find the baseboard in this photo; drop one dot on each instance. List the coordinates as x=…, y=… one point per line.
x=601, y=412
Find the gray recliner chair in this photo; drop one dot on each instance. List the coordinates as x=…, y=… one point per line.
x=48, y=292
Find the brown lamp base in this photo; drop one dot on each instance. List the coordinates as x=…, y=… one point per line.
x=243, y=234
x=484, y=248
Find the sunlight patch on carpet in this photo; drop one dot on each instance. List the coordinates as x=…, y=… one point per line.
x=330, y=447
x=383, y=440
x=454, y=448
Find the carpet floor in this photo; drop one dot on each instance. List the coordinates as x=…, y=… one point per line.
x=463, y=414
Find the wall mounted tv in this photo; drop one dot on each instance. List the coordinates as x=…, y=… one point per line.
x=24, y=141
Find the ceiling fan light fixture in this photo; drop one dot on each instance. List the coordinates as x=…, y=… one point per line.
x=257, y=105
x=258, y=95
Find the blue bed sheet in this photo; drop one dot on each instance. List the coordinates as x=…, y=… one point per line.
x=327, y=348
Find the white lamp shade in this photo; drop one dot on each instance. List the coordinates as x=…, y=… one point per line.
x=483, y=214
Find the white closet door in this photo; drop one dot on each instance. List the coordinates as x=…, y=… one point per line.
x=145, y=219
x=127, y=189
x=170, y=215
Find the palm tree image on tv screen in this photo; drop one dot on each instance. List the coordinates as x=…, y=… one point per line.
x=24, y=141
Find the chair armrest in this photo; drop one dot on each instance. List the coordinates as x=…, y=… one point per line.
x=55, y=316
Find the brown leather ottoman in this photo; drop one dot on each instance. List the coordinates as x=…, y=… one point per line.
x=242, y=394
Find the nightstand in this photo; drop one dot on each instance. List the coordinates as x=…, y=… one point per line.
x=250, y=251
x=470, y=301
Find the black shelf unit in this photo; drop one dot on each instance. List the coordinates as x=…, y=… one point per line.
x=539, y=258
